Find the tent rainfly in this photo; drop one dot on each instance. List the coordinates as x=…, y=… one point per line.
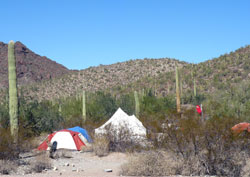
x=83, y=132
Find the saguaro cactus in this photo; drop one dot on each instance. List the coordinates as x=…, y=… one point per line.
x=194, y=82
x=137, y=104
x=178, y=100
x=13, y=99
x=194, y=88
x=83, y=106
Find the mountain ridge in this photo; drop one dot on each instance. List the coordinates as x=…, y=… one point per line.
x=31, y=67
x=158, y=74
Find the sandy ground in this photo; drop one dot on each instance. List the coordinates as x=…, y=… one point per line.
x=74, y=164
x=80, y=164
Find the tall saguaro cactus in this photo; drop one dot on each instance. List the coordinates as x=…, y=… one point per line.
x=137, y=104
x=178, y=100
x=194, y=88
x=13, y=99
x=84, y=106
x=194, y=82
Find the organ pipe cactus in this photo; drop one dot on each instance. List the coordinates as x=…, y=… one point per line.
x=13, y=98
x=137, y=104
x=178, y=101
x=83, y=106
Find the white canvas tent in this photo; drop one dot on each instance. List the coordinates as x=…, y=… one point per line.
x=119, y=122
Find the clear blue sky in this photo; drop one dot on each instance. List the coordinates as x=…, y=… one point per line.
x=84, y=33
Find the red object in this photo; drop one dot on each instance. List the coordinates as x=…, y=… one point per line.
x=78, y=143
x=198, y=108
x=244, y=126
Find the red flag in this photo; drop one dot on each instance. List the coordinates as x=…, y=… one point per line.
x=198, y=108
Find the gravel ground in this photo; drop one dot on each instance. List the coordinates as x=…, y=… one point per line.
x=73, y=164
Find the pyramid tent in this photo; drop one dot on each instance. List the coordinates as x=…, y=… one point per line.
x=121, y=120
x=66, y=139
x=82, y=131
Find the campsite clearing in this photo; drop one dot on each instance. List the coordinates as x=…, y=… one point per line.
x=76, y=164
x=80, y=164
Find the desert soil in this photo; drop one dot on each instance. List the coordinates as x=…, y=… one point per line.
x=79, y=164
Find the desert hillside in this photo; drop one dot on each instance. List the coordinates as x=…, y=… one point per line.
x=31, y=67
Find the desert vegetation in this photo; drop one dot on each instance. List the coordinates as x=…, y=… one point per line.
x=197, y=147
x=188, y=143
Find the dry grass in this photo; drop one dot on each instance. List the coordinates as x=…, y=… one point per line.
x=162, y=163
x=151, y=163
x=88, y=148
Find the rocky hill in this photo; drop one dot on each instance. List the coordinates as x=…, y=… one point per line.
x=220, y=73
x=101, y=78
x=31, y=68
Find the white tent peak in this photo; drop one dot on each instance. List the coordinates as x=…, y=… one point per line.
x=121, y=120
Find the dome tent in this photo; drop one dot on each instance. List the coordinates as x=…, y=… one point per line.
x=66, y=139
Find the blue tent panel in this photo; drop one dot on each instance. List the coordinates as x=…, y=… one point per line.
x=82, y=131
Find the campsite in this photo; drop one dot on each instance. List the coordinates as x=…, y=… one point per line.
x=125, y=88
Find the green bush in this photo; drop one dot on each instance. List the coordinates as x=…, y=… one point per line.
x=39, y=117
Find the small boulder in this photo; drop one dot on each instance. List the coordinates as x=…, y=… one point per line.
x=66, y=164
x=108, y=170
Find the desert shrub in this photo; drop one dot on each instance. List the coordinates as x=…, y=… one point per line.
x=124, y=139
x=62, y=153
x=4, y=116
x=39, y=117
x=208, y=148
x=88, y=148
x=101, y=146
x=8, y=150
x=6, y=167
x=41, y=163
x=151, y=163
x=101, y=106
x=126, y=102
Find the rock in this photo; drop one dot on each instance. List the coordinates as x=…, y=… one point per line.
x=108, y=170
x=74, y=169
x=66, y=164
x=73, y=165
x=55, y=168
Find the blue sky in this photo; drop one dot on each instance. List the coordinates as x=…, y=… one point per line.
x=84, y=33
